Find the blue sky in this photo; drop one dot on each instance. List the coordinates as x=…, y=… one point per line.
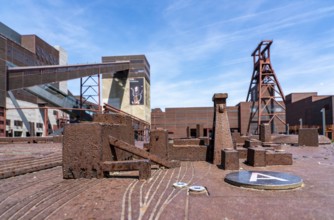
x=195, y=47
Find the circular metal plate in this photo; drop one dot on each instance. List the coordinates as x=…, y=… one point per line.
x=180, y=184
x=264, y=180
x=197, y=188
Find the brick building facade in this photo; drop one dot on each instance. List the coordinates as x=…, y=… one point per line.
x=182, y=122
x=18, y=50
x=304, y=109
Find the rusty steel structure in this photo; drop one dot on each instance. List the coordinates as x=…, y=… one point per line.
x=265, y=92
x=90, y=91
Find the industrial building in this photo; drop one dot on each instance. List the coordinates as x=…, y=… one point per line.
x=303, y=110
x=310, y=110
x=182, y=122
x=178, y=121
x=35, y=101
x=129, y=91
x=22, y=114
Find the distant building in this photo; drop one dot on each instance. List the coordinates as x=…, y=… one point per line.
x=245, y=109
x=304, y=110
x=178, y=120
x=129, y=91
x=20, y=108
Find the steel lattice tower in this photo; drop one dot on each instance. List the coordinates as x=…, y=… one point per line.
x=265, y=92
x=90, y=91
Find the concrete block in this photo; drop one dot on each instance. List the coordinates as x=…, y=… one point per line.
x=265, y=133
x=308, y=137
x=256, y=156
x=86, y=145
x=242, y=152
x=252, y=143
x=278, y=158
x=230, y=159
x=159, y=143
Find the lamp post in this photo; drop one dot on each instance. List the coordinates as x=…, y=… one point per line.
x=323, y=121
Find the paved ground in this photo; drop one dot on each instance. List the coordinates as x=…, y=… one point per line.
x=17, y=159
x=44, y=194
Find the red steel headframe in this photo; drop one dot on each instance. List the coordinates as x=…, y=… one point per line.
x=265, y=92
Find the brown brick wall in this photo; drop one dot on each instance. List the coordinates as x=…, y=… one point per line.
x=176, y=120
x=45, y=53
x=308, y=109
x=244, y=116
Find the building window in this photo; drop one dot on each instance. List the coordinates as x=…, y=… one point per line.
x=39, y=125
x=55, y=113
x=18, y=123
x=17, y=133
x=2, y=114
x=193, y=132
x=8, y=122
x=205, y=132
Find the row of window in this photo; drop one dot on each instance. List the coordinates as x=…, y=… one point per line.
x=21, y=56
x=139, y=61
x=276, y=109
x=20, y=123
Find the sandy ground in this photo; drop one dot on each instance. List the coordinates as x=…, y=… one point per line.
x=46, y=195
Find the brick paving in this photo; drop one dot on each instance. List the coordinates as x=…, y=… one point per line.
x=46, y=195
